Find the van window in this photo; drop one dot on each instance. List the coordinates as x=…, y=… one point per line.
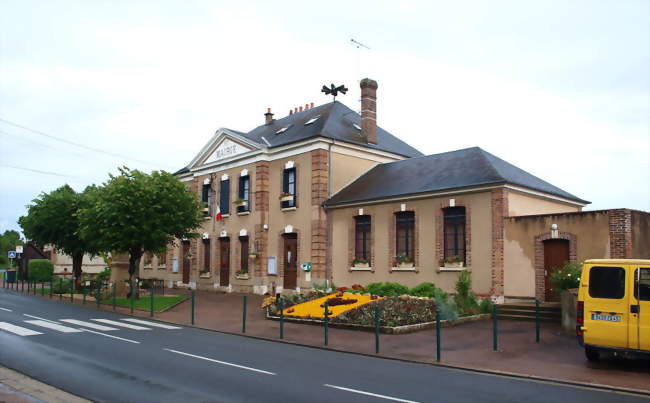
x=607, y=282
x=642, y=286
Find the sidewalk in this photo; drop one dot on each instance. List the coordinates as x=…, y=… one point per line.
x=469, y=345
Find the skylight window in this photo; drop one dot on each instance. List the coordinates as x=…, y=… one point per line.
x=312, y=120
x=356, y=126
x=282, y=130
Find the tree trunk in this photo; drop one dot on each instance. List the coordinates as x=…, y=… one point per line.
x=77, y=261
x=134, y=265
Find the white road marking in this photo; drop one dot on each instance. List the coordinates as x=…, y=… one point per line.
x=36, y=317
x=20, y=331
x=5, y=309
x=110, y=335
x=116, y=323
x=221, y=362
x=155, y=324
x=370, y=394
x=88, y=324
x=54, y=326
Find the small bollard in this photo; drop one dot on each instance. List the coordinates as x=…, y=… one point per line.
x=193, y=302
x=114, y=295
x=85, y=292
x=34, y=287
x=51, y=288
x=42, y=289
x=60, y=288
x=438, y=341
x=243, y=322
x=537, y=320
x=326, y=323
x=495, y=328
x=151, y=291
x=281, y=318
x=22, y=286
x=377, y=329
x=72, y=287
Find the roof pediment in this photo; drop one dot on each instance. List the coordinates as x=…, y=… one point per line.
x=225, y=145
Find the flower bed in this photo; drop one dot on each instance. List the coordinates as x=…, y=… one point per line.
x=393, y=311
x=315, y=307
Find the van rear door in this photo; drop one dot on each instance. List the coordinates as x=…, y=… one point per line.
x=606, y=310
x=639, y=335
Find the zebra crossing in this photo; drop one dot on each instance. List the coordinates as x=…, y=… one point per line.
x=39, y=326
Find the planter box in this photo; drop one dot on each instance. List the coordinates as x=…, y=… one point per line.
x=286, y=198
x=253, y=255
x=405, y=265
x=457, y=265
x=244, y=276
x=205, y=275
x=242, y=204
x=361, y=265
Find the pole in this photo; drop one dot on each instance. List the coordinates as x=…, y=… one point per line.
x=131, y=295
x=495, y=330
x=72, y=289
x=60, y=288
x=51, y=287
x=438, y=342
x=193, y=302
x=151, y=290
x=114, y=295
x=98, y=292
x=243, y=323
x=376, y=328
x=281, y=318
x=42, y=289
x=537, y=324
x=34, y=286
x=85, y=291
x=326, y=323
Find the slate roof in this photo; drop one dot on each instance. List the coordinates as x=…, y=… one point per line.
x=451, y=170
x=336, y=122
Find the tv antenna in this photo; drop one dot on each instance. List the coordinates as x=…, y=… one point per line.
x=358, y=44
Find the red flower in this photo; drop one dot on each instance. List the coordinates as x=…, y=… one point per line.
x=341, y=289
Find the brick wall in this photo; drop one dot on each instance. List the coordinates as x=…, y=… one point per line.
x=499, y=212
x=620, y=234
x=319, y=189
x=261, y=241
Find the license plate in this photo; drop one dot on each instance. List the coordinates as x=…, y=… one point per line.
x=606, y=318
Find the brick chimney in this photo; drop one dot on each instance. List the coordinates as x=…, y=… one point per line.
x=269, y=116
x=369, y=110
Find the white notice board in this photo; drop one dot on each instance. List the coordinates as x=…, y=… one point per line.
x=272, y=265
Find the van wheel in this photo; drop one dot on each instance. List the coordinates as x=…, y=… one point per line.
x=592, y=354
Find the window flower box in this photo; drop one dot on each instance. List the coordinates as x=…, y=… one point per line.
x=204, y=273
x=403, y=261
x=405, y=265
x=253, y=255
x=286, y=197
x=452, y=262
x=360, y=264
x=240, y=203
x=242, y=275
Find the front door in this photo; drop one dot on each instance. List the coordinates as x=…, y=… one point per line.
x=639, y=329
x=290, y=261
x=556, y=254
x=224, y=262
x=186, y=262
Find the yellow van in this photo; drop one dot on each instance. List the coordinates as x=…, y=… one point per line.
x=613, y=310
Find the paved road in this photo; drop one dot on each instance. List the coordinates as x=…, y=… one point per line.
x=104, y=356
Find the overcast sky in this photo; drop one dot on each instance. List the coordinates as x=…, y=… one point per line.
x=559, y=88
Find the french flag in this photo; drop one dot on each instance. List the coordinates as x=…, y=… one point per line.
x=218, y=216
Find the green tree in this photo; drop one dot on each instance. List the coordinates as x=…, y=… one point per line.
x=137, y=212
x=8, y=241
x=52, y=218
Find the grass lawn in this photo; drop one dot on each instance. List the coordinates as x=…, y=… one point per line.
x=160, y=302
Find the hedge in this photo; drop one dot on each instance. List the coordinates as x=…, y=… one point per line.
x=40, y=270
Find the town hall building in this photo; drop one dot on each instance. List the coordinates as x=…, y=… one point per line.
x=324, y=195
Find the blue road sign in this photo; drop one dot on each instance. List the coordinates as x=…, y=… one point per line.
x=11, y=254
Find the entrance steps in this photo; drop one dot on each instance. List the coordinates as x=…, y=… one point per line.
x=525, y=311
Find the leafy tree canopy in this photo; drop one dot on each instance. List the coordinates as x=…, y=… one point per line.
x=137, y=212
x=52, y=218
x=8, y=241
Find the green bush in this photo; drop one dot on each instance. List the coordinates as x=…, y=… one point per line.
x=424, y=290
x=567, y=277
x=40, y=270
x=61, y=286
x=485, y=306
x=387, y=289
x=465, y=299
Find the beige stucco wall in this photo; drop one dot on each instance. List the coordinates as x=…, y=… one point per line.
x=525, y=204
x=347, y=168
x=592, y=235
x=89, y=264
x=426, y=262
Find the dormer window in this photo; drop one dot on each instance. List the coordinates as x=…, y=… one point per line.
x=312, y=120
